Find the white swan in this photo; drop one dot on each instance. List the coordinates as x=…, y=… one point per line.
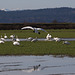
x=17, y=39
x=34, y=40
x=16, y=43
x=66, y=42
x=12, y=36
x=2, y=39
x=5, y=36
x=34, y=29
x=56, y=39
x=30, y=38
x=34, y=68
x=48, y=37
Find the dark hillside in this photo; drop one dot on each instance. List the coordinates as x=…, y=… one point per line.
x=48, y=15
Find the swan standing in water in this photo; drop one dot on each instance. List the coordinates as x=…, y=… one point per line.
x=34, y=29
x=34, y=68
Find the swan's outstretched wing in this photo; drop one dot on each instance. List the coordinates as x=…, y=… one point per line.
x=28, y=27
x=41, y=29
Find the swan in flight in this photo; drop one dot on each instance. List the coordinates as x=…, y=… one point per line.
x=34, y=29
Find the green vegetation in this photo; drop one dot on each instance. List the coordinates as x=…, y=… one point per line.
x=62, y=33
x=39, y=47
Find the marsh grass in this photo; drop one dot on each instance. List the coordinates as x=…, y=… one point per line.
x=38, y=48
x=62, y=33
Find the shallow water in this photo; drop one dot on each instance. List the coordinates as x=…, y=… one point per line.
x=43, y=39
x=37, y=65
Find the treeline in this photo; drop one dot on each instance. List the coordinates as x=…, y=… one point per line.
x=18, y=26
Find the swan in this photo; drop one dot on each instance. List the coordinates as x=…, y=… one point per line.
x=66, y=42
x=12, y=36
x=1, y=41
x=34, y=40
x=34, y=29
x=16, y=43
x=30, y=38
x=48, y=37
x=56, y=39
x=2, y=38
x=17, y=39
x=5, y=36
x=34, y=68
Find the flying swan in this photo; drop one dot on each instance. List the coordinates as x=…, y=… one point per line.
x=34, y=29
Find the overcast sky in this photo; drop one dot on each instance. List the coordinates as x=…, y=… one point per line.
x=36, y=4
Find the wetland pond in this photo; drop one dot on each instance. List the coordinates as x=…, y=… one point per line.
x=37, y=65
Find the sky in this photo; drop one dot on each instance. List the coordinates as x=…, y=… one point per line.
x=36, y=4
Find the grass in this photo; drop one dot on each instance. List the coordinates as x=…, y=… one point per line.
x=62, y=33
x=39, y=47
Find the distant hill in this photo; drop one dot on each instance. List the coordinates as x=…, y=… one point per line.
x=48, y=15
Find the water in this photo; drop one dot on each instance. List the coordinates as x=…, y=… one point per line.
x=37, y=65
x=43, y=39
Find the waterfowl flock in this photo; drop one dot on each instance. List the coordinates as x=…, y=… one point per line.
x=16, y=41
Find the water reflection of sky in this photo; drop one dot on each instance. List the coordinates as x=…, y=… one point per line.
x=24, y=65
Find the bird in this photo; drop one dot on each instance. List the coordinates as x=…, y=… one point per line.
x=66, y=42
x=5, y=36
x=48, y=37
x=2, y=38
x=30, y=38
x=33, y=68
x=16, y=43
x=36, y=67
x=34, y=40
x=56, y=39
x=12, y=36
x=1, y=41
x=17, y=39
x=35, y=30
